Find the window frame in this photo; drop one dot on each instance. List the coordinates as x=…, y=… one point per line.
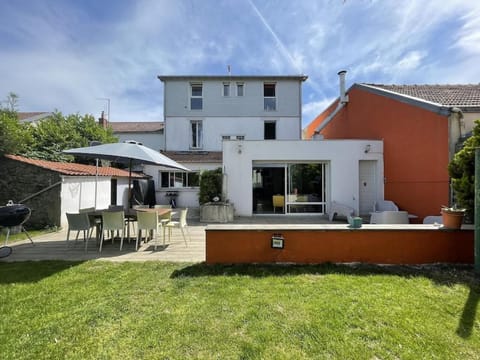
x=270, y=122
x=196, y=97
x=270, y=102
x=242, y=85
x=171, y=177
x=226, y=86
x=198, y=135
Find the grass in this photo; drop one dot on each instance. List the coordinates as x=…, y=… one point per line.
x=154, y=310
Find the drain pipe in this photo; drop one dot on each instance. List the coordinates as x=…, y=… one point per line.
x=342, y=101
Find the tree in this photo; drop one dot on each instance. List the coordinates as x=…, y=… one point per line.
x=462, y=172
x=14, y=137
x=59, y=132
x=12, y=101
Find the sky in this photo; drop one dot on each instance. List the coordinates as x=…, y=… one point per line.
x=89, y=56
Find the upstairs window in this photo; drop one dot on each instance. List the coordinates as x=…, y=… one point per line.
x=269, y=130
x=269, y=97
x=196, y=96
x=196, y=134
x=226, y=89
x=240, y=89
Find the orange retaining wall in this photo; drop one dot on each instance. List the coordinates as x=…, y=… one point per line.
x=421, y=245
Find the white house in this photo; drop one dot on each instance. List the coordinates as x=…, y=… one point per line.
x=149, y=134
x=200, y=112
x=251, y=127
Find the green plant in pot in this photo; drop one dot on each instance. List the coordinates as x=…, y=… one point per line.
x=452, y=217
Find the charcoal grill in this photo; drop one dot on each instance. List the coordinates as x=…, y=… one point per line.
x=14, y=215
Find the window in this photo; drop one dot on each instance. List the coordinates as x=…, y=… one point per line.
x=225, y=137
x=196, y=134
x=269, y=99
x=269, y=130
x=240, y=88
x=226, y=89
x=196, y=96
x=179, y=179
x=240, y=137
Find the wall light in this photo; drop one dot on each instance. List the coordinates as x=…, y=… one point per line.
x=239, y=148
x=367, y=148
x=278, y=241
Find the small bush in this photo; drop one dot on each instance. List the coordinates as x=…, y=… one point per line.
x=210, y=185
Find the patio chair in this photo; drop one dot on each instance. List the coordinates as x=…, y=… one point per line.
x=278, y=201
x=148, y=221
x=113, y=221
x=340, y=209
x=80, y=222
x=181, y=224
x=384, y=205
x=165, y=218
x=94, y=221
x=433, y=219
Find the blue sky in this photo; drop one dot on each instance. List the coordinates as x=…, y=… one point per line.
x=68, y=55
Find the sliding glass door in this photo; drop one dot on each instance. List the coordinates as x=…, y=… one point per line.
x=290, y=188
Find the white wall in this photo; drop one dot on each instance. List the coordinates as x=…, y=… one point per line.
x=343, y=157
x=178, y=130
x=78, y=192
x=187, y=197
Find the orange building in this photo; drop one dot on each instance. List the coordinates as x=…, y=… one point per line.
x=421, y=126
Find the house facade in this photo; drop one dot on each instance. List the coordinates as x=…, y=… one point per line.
x=250, y=126
x=201, y=112
x=149, y=134
x=420, y=126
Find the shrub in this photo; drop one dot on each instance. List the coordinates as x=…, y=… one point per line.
x=210, y=185
x=462, y=171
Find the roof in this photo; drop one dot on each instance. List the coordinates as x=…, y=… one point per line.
x=195, y=156
x=445, y=95
x=32, y=116
x=233, y=77
x=73, y=169
x=137, y=127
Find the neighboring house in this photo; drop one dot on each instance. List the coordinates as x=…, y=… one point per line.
x=420, y=126
x=52, y=189
x=251, y=127
x=149, y=134
x=32, y=117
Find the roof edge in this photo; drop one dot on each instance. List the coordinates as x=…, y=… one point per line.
x=410, y=100
x=163, y=78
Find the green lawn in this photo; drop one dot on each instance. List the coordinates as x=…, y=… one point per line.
x=154, y=310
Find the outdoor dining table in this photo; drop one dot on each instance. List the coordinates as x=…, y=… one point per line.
x=130, y=215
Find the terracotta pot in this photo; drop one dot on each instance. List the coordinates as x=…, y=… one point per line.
x=452, y=219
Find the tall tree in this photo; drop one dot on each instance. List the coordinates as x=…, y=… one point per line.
x=59, y=132
x=462, y=172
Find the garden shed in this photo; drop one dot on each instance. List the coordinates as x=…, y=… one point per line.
x=50, y=189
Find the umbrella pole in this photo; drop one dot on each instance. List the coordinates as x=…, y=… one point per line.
x=129, y=183
x=96, y=182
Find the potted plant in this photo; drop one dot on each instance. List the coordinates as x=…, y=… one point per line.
x=452, y=217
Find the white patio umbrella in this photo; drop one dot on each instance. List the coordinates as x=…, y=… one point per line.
x=129, y=153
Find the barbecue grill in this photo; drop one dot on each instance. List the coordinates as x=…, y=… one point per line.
x=14, y=215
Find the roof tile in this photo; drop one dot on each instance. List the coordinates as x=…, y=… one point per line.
x=446, y=95
x=74, y=169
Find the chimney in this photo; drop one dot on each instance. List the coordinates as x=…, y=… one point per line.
x=103, y=121
x=343, y=96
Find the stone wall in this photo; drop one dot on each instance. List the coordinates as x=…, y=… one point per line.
x=19, y=180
